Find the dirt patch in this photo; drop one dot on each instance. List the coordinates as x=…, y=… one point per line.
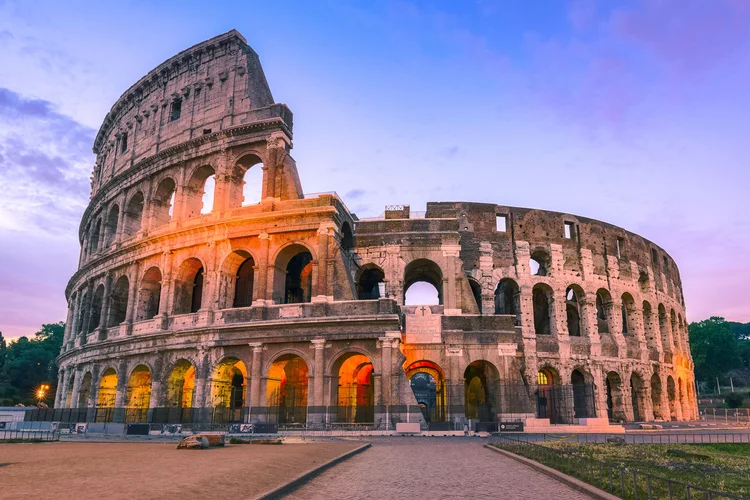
x=155, y=470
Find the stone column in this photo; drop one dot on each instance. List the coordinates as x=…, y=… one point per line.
x=103, y=318
x=60, y=388
x=156, y=380
x=201, y=378
x=255, y=373
x=86, y=309
x=132, y=299
x=262, y=291
x=94, y=392
x=76, y=316
x=122, y=386
x=319, y=346
x=77, y=379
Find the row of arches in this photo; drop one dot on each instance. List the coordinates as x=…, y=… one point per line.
x=199, y=195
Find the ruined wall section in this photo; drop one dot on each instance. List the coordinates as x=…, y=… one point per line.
x=204, y=89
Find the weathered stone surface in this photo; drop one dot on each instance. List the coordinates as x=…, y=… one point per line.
x=201, y=441
x=167, y=287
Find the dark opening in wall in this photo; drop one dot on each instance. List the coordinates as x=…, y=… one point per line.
x=501, y=223
x=508, y=299
x=124, y=142
x=573, y=312
x=176, y=110
x=654, y=257
x=476, y=291
x=206, y=131
x=371, y=283
x=298, y=287
x=244, y=282
x=543, y=300
x=540, y=263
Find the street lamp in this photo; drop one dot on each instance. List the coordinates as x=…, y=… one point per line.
x=41, y=393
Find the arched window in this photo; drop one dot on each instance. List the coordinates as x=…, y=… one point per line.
x=508, y=299
x=133, y=216
x=629, y=320
x=118, y=305
x=163, y=202
x=603, y=310
x=228, y=384
x=543, y=300
x=96, y=309
x=423, y=283
x=110, y=229
x=286, y=388
x=189, y=287
x=371, y=283
x=573, y=311
x=150, y=294
x=355, y=395
x=199, y=192
x=293, y=275
x=246, y=182
x=664, y=328
x=244, y=281
x=540, y=263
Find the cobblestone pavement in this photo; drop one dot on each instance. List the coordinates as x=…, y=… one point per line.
x=435, y=468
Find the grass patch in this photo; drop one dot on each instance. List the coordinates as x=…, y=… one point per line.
x=717, y=466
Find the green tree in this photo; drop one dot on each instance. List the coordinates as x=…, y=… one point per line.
x=30, y=363
x=715, y=348
x=3, y=350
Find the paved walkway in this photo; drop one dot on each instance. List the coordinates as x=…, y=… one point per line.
x=435, y=468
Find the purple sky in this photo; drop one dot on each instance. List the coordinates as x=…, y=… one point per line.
x=632, y=112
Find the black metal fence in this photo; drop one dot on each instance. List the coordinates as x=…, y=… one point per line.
x=622, y=481
x=665, y=437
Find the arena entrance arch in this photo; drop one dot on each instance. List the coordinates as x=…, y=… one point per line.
x=481, y=380
x=228, y=383
x=355, y=394
x=427, y=381
x=138, y=394
x=656, y=396
x=286, y=389
x=181, y=385
x=107, y=395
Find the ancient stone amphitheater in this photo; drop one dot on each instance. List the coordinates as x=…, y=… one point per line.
x=196, y=300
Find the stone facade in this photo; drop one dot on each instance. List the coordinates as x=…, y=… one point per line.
x=168, y=291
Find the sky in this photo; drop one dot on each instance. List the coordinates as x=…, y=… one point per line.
x=632, y=112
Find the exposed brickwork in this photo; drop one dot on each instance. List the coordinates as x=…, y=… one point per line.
x=163, y=287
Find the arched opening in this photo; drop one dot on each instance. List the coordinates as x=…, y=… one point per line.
x=107, y=392
x=237, y=280
x=603, y=310
x=199, y=192
x=228, y=384
x=371, y=283
x=648, y=327
x=637, y=393
x=675, y=330
x=481, y=387
x=110, y=228
x=476, y=291
x=423, y=283
x=286, y=390
x=629, y=315
x=293, y=275
x=583, y=395
x=95, y=235
x=508, y=299
x=656, y=396
x=548, y=396
x=139, y=389
x=347, y=238
x=573, y=311
x=543, y=300
x=682, y=399
x=643, y=281
x=427, y=382
x=149, y=295
x=84, y=392
x=84, y=309
x=133, y=217
x=615, y=402
x=188, y=287
x=96, y=309
x=355, y=395
x=181, y=385
x=118, y=302
x=163, y=202
x=666, y=342
x=246, y=182
x=540, y=263
x=244, y=282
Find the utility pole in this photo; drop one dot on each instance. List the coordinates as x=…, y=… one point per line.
x=717, y=385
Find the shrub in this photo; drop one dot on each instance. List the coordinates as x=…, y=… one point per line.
x=734, y=400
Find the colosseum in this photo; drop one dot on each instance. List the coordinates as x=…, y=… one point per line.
x=210, y=288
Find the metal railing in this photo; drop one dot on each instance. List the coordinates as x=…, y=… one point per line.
x=728, y=416
x=663, y=437
x=29, y=435
x=622, y=481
